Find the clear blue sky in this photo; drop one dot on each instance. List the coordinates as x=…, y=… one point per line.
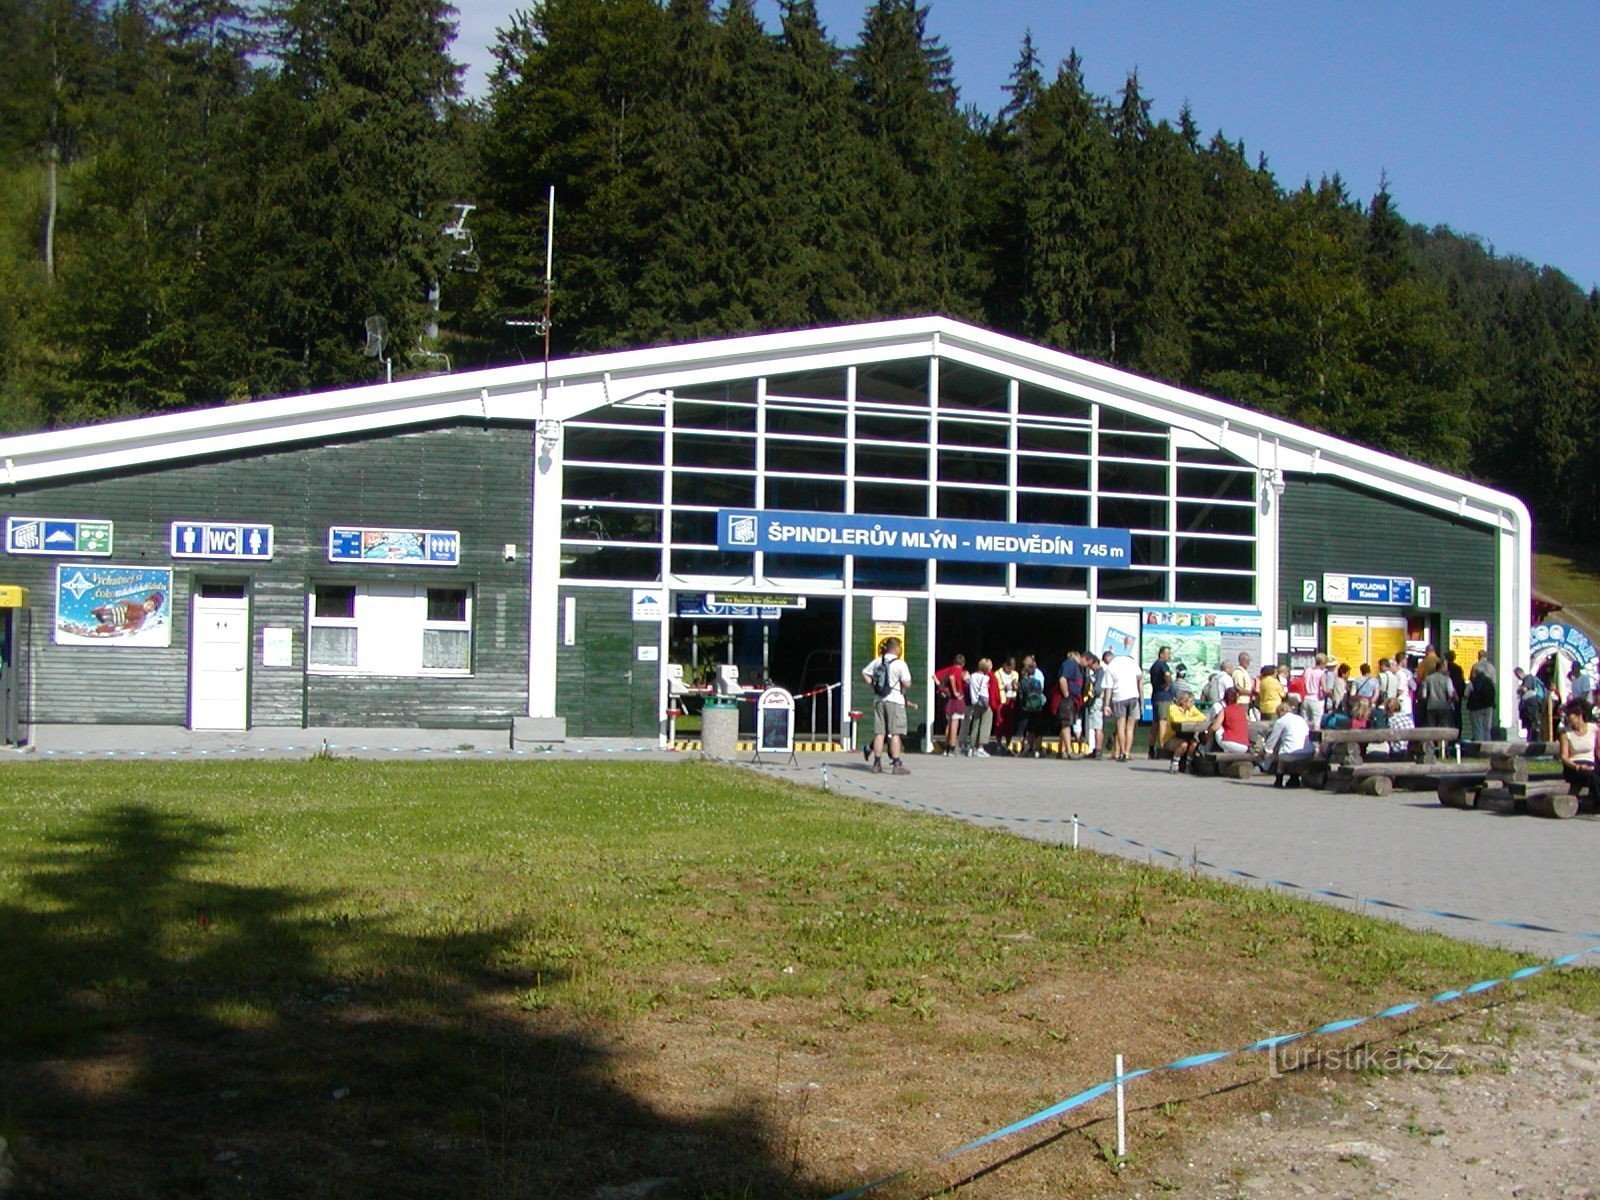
x=1485, y=116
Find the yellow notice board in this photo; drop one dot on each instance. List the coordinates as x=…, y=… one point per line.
x=1386, y=638
x=1466, y=639
x=1347, y=640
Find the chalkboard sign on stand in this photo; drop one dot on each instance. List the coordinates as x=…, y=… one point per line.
x=775, y=724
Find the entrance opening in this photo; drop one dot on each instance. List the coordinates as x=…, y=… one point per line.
x=801, y=651
x=1002, y=631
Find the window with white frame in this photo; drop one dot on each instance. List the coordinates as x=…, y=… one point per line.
x=389, y=629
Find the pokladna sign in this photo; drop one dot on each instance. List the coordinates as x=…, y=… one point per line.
x=837, y=534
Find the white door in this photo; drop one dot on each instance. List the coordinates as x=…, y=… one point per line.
x=219, y=675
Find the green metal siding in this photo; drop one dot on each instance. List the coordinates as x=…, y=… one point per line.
x=1331, y=525
x=919, y=633
x=470, y=477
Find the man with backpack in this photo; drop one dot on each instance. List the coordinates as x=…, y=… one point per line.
x=1032, y=707
x=890, y=679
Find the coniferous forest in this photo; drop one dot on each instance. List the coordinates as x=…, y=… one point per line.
x=203, y=201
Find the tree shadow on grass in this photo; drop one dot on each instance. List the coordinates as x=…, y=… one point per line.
x=161, y=1035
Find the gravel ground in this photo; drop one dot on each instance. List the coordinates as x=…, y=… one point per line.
x=1502, y=1103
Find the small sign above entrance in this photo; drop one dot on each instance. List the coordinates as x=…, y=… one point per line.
x=753, y=599
x=1368, y=589
x=693, y=604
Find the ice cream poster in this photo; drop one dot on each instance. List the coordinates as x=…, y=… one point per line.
x=113, y=606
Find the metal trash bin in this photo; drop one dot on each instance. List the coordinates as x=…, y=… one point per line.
x=719, y=727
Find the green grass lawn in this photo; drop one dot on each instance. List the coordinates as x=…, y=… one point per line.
x=343, y=978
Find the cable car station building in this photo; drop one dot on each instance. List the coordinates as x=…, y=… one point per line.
x=505, y=554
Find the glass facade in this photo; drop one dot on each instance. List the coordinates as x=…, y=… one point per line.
x=919, y=437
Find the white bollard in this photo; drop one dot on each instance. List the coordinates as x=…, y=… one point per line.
x=1122, y=1118
x=1074, y=831
x=824, y=776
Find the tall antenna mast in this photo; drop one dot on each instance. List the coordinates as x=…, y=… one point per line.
x=549, y=284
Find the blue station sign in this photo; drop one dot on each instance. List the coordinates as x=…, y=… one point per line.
x=695, y=604
x=212, y=539
x=1368, y=589
x=836, y=534
x=410, y=547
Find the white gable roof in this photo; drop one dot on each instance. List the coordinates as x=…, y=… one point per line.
x=578, y=385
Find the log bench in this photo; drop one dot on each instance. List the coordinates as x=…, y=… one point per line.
x=1230, y=766
x=1507, y=778
x=1379, y=778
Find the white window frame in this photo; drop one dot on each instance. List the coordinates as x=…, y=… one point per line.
x=390, y=622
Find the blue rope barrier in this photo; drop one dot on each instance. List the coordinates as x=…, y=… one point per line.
x=1188, y=1062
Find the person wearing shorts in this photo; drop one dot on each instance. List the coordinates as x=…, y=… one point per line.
x=1123, y=694
x=889, y=710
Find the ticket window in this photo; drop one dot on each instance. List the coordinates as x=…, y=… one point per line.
x=1360, y=638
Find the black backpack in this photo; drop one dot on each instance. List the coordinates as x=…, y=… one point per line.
x=1031, y=692
x=882, y=684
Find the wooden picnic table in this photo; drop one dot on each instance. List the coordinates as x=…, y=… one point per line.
x=1347, y=746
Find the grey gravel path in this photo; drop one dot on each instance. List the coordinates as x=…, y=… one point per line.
x=1404, y=847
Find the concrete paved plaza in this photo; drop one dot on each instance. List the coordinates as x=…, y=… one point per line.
x=1405, y=847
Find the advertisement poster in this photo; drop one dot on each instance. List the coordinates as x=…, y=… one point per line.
x=1202, y=641
x=113, y=606
x=1466, y=639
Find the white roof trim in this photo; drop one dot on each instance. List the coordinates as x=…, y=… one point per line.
x=579, y=385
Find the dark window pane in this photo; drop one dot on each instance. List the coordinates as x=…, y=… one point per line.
x=1072, y=579
x=724, y=491
x=1041, y=402
x=729, y=563
x=1132, y=514
x=974, y=433
x=1070, y=474
x=1216, y=485
x=1216, y=555
x=891, y=572
x=967, y=466
x=732, y=417
x=1150, y=550
x=641, y=415
x=872, y=428
x=968, y=505
x=1115, y=418
x=908, y=463
x=1053, y=438
x=961, y=386
x=903, y=382
x=726, y=453
x=1052, y=508
x=1216, y=589
x=810, y=457
x=1216, y=518
x=820, y=424
x=610, y=562
x=742, y=391
x=804, y=566
x=639, y=446
x=1128, y=445
x=1219, y=458
x=602, y=483
x=887, y=500
x=1133, y=585
x=1130, y=477
x=975, y=574
x=694, y=527
x=447, y=604
x=805, y=495
x=813, y=385
x=580, y=522
x=334, y=600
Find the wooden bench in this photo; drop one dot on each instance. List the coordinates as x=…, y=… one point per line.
x=1379, y=778
x=1507, y=778
x=1230, y=766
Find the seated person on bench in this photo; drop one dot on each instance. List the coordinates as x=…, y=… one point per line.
x=1578, y=749
x=1230, y=724
x=1289, y=741
x=1181, y=746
